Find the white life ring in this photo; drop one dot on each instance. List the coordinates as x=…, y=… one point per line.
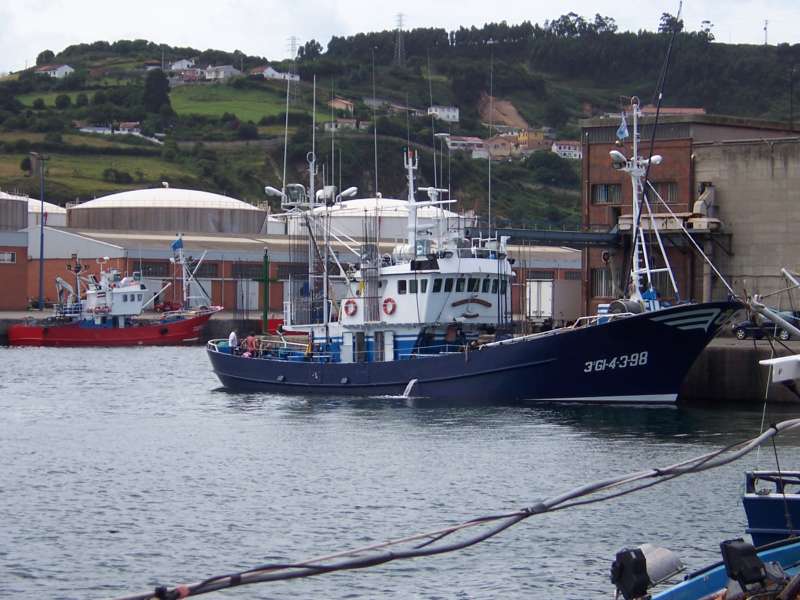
x=350, y=307
x=389, y=306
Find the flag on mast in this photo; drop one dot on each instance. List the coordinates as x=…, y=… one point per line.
x=622, y=130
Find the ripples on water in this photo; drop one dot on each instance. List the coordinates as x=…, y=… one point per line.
x=127, y=468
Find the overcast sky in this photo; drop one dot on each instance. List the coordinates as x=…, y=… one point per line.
x=262, y=27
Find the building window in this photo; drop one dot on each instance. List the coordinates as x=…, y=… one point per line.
x=572, y=275
x=401, y=286
x=156, y=269
x=448, y=284
x=8, y=257
x=668, y=190
x=437, y=285
x=606, y=193
x=546, y=275
x=285, y=271
x=210, y=270
x=601, y=283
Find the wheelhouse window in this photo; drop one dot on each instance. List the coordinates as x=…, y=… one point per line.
x=460, y=284
x=474, y=284
x=503, y=286
x=485, y=287
x=412, y=286
x=401, y=286
x=494, y=286
x=423, y=286
x=606, y=193
x=437, y=285
x=448, y=284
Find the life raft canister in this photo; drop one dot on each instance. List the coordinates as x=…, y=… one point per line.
x=389, y=306
x=350, y=307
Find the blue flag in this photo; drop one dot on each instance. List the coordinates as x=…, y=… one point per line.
x=177, y=244
x=622, y=130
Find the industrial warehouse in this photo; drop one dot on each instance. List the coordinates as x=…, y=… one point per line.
x=134, y=230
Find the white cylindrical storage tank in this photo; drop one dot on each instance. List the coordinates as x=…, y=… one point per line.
x=169, y=209
x=13, y=212
x=347, y=218
x=55, y=216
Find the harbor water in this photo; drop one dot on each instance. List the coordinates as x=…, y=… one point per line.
x=124, y=469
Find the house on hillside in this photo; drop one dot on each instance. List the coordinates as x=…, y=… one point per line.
x=221, y=72
x=268, y=72
x=56, y=71
x=474, y=145
x=444, y=113
x=150, y=65
x=182, y=64
x=343, y=104
x=568, y=149
x=400, y=109
x=130, y=127
x=376, y=103
x=343, y=124
x=502, y=147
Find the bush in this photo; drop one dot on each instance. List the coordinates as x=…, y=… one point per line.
x=248, y=131
x=53, y=137
x=63, y=101
x=38, y=104
x=117, y=176
x=25, y=164
x=81, y=100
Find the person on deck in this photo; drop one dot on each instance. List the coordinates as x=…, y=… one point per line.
x=233, y=342
x=251, y=343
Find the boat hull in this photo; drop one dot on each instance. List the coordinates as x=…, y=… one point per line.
x=639, y=359
x=159, y=333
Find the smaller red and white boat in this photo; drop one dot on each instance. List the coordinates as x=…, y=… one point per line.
x=106, y=311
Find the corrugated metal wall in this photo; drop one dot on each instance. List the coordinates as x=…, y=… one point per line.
x=195, y=220
x=13, y=214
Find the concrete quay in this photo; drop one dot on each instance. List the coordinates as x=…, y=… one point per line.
x=727, y=372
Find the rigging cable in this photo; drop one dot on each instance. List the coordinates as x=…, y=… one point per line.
x=427, y=544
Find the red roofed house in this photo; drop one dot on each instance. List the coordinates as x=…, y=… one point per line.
x=57, y=71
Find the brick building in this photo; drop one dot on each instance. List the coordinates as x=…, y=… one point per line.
x=696, y=149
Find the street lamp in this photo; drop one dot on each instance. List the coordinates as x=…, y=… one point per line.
x=40, y=160
x=791, y=96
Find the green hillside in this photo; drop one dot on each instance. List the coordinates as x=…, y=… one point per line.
x=228, y=136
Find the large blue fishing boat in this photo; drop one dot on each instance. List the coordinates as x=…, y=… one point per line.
x=431, y=318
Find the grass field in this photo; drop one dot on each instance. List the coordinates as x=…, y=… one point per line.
x=49, y=97
x=84, y=174
x=68, y=138
x=214, y=100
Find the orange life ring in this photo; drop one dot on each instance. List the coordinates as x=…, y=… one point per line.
x=389, y=306
x=350, y=307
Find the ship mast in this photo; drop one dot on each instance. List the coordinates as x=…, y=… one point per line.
x=411, y=162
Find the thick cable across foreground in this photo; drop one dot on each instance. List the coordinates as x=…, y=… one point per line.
x=430, y=543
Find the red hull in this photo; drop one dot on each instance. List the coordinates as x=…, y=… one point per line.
x=157, y=333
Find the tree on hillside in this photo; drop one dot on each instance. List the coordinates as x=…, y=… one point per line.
x=63, y=101
x=309, y=51
x=45, y=57
x=25, y=165
x=156, y=91
x=669, y=24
